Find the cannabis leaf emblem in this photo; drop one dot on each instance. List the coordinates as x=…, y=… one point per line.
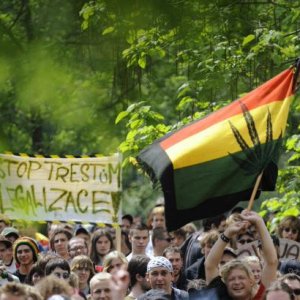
x=260, y=155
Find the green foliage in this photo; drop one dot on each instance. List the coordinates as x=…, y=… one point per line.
x=70, y=69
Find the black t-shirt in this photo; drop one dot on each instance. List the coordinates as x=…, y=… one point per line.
x=220, y=287
x=20, y=276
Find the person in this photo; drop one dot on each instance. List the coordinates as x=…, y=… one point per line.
x=52, y=285
x=11, y=233
x=156, y=219
x=197, y=269
x=105, y=286
x=137, y=268
x=160, y=240
x=59, y=268
x=100, y=286
x=114, y=261
x=77, y=246
x=127, y=221
x=160, y=274
x=289, y=228
x=279, y=291
x=83, y=233
x=174, y=255
x=139, y=238
x=35, y=274
x=59, y=242
x=255, y=266
x=178, y=237
x=237, y=279
x=83, y=267
x=293, y=281
x=6, y=254
x=13, y=291
x=26, y=253
x=102, y=244
x=244, y=238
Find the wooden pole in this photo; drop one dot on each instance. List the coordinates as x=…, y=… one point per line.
x=251, y=201
x=118, y=238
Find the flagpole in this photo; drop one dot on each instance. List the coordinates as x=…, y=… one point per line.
x=251, y=201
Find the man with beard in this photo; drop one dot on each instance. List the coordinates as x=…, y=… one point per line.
x=137, y=269
x=174, y=255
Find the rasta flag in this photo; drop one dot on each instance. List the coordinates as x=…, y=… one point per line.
x=210, y=165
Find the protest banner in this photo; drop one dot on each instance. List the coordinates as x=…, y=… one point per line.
x=249, y=249
x=289, y=249
x=85, y=189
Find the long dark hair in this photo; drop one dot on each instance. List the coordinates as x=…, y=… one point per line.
x=96, y=235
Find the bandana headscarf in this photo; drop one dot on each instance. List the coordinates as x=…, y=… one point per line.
x=159, y=262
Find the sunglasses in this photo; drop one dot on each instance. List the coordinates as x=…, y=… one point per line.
x=293, y=231
x=296, y=292
x=245, y=241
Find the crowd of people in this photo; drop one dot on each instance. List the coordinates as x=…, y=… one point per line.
x=83, y=262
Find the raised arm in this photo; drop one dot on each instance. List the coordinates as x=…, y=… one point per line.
x=268, y=250
x=215, y=255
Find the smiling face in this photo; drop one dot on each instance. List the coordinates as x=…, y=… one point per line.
x=24, y=255
x=239, y=285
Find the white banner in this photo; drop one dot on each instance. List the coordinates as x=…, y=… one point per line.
x=63, y=189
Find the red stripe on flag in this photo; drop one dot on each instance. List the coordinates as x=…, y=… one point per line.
x=276, y=89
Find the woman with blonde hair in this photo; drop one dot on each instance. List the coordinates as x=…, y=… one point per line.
x=83, y=267
x=114, y=261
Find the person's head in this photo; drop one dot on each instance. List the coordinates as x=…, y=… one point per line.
x=279, y=291
x=6, y=252
x=139, y=238
x=83, y=267
x=25, y=251
x=293, y=281
x=77, y=246
x=127, y=221
x=217, y=223
x=208, y=240
x=52, y=285
x=174, y=255
x=178, y=237
x=160, y=273
x=13, y=291
x=102, y=244
x=99, y=286
x=32, y=293
x=289, y=228
x=238, y=278
x=114, y=261
x=11, y=233
x=189, y=228
x=160, y=240
x=83, y=233
x=59, y=241
x=137, y=268
x=244, y=238
x=35, y=274
x=255, y=266
x=58, y=267
x=157, y=217
x=289, y=266
x=228, y=255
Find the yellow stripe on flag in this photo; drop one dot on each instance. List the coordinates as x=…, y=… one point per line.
x=218, y=140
